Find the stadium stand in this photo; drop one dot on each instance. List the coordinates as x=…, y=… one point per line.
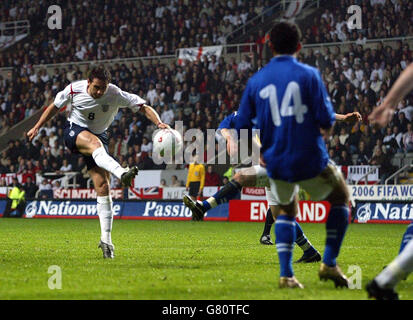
x=357, y=75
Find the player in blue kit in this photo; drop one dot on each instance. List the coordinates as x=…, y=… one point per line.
x=255, y=176
x=290, y=106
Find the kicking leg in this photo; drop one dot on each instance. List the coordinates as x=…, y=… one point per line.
x=90, y=145
x=100, y=179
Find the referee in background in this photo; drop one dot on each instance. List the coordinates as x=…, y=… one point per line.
x=196, y=179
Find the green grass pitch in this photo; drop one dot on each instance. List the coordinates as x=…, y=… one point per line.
x=177, y=260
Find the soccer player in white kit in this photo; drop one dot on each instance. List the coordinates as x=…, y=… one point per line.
x=382, y=287
x=95, y=103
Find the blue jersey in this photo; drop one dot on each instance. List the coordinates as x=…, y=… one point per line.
x=229, y=121
x=290, y=104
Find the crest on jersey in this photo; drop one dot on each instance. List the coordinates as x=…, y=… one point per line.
x=105, y=107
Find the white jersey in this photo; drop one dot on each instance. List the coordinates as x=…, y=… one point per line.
x=96, y=114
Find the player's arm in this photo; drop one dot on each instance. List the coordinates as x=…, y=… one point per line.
x=61, y=99
x=48, y=114
x=322, y=107
x=188, y=178
x=136, y=103
x=202, y=181
x=383, y=114
x=232, y=145
x=349, y=117
x=153, y=116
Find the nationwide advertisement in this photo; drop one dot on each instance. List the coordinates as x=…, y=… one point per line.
x=256, y=210
x=383, y=212
x=155, y=210
x=67, y=209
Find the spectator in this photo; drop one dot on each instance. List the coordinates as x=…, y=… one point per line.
x=45, y=189
x=66, y=166
x=163, y=183
x=15, y=201
x=175, y=182
x=30, y=188
x=212, y=178
x=408, y=139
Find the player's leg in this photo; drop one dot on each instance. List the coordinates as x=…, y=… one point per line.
x=310, y=254
x=382, y=286
x=285, y=195
x=245, y=177
x=89, y=144
x=100, y=179
x=269, y=221
x=331, y=186
x=194, y=190
x=407, y=236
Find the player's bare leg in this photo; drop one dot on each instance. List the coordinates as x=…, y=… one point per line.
x=100, y=179
x=90, y=145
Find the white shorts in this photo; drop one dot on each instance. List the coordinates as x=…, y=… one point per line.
x=319, y=187
x=262, y=179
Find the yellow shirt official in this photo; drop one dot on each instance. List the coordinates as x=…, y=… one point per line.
x=196, y=172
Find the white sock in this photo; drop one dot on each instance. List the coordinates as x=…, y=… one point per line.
x=212, y=202
x=398, y=269
x=105, y=161
x=105, y=213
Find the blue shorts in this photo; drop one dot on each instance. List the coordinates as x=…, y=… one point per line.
x=70, y=133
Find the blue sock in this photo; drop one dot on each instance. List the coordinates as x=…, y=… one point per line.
x=336, y=225
x=408, y=235
x=226, y=193
x=284, y=241
x=302, y=241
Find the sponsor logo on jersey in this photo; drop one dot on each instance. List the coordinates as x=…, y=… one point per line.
x=105, y=107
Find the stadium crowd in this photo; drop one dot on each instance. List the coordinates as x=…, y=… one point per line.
x=146, y=28
x=379, y=19
x=201, y=93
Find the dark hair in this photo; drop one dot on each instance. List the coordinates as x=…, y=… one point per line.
x=99, y=72
x=285, y=37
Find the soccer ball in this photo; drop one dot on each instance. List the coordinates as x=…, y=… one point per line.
x=167, y=142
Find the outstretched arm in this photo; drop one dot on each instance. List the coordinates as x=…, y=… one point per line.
x=349, y=117
x=48, y=114
x=152, y=115
x=383, y=114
